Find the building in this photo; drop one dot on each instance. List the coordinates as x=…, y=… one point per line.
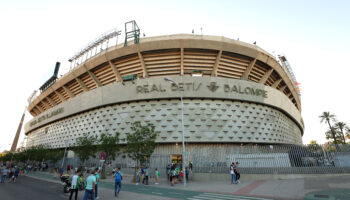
x=234, y=93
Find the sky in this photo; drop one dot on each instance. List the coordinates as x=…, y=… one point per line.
x=314, y=35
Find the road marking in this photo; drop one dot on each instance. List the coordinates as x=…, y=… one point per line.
x=215, y=196
x=242, y=197
x=157, y=193
x=174, y=193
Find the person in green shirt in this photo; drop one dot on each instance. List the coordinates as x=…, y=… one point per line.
x=90, y=186
x=97, y=175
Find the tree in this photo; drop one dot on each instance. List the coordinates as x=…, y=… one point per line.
x=341, y=126
x=347, y=132
x=141, y=142
x=55, y=155
x=109, y=144
x=38, y=153
x=337, y=138
x=327, y=117
x=86, y=147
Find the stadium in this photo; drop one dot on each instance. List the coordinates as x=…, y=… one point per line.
x=234, y=94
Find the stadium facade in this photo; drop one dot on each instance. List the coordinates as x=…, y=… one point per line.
x=234, y=93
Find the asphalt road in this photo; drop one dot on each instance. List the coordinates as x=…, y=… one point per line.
x=29, y=188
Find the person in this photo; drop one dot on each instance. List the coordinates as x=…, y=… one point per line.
x=168, y=172
x=12, y=173
x=118, y=182
x=191, y=165
x=113, y=172
x=237, y=174
x=4, y=174
x=90, y=186
x=75, y=185
x=232, y=172
x=172, y=175
x=61, y=172
x=187, y=172
x=143, y=174
x=16, y=173
x=137, y=176
x=146, y=175
x=97, y=181
x=156, y=176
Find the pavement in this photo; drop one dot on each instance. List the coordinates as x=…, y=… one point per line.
x=322, y=187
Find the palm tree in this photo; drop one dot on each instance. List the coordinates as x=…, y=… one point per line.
x=326, y=117
x=347, y=132
x=337, y=139
x=342, y=127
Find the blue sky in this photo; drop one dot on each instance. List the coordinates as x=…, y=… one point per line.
x=314, y=35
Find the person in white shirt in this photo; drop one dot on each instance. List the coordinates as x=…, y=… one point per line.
x=75, y=185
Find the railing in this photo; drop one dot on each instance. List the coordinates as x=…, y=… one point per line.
x=253, y=159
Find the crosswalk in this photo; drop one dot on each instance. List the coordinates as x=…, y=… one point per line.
x=214, y=196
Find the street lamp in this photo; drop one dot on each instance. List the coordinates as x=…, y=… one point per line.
x=65, y=150
x=183, y=131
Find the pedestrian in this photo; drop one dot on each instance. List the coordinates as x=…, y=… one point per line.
x=118, y=182
x=16, y=173
x=190, y=165
x=61, y=171
x=12, y=173
x=97, y=181
x=173, y=175
x=143, y=174
x=137, y=176
x=90, y=186
x=238, y=175
x=4, y=172
x=75, y=185
x=168, y=172
x=113, y=172
x=156, y=176
x=232, y=172
x=146, y=175
x=187, y=172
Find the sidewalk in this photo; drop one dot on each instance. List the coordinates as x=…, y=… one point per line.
x=287, y=189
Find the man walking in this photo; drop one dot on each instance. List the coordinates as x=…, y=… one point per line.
x=90, y=186
x=118, y=182
x=75, y=185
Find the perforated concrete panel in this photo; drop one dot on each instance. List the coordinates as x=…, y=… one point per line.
x=218, y=121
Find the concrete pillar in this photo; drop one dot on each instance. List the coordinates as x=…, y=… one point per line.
x=248, y=70
x=216, y=65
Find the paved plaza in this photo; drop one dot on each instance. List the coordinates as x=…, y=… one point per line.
x=321, y=187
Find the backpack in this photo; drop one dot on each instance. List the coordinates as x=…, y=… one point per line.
x=118, y=177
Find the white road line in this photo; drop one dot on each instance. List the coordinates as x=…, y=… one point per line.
x=242, y=197
x=219, y=197
x=157, y=193
x=206, y=198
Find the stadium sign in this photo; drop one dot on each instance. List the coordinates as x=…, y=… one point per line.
x=193, y=87
x=47, y=116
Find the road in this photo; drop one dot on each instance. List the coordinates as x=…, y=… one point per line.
x=132, y=191
x=27, y=188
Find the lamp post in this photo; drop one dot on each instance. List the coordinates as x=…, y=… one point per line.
x=65, y=150
x=183, y=132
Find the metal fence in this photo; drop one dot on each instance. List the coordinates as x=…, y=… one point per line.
x=253, y=159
